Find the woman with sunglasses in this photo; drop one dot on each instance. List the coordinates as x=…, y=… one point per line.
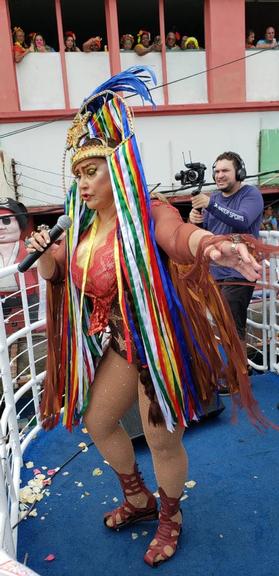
x=13, y=221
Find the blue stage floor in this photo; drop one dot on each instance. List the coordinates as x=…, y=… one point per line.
x=231, y=523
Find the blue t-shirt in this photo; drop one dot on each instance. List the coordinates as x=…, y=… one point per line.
x=240, y=213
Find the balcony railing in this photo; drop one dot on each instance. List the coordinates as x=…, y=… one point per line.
x=40, y=81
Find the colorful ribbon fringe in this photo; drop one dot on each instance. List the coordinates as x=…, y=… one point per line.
x=160, y=343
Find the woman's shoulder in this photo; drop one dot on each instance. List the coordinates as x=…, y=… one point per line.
x=161, y=205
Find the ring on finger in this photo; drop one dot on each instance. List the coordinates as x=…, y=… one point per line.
x=42, y=227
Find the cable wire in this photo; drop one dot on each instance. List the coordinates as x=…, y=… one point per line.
x=41, y=170
x=23, y=175
x=51, y=478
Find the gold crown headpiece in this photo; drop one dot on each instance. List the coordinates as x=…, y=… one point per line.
x=85, y=138
x=105, y=121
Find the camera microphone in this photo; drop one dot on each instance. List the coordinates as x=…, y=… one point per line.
x=63, y=223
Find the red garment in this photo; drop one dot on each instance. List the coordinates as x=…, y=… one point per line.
x=18, y=49
x=101, y=284
x=172, y=235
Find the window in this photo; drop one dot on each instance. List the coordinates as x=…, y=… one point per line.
x=30, y=19
x=85, y=18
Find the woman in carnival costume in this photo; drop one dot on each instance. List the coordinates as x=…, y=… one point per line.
x=129, y=262
x=20, y=47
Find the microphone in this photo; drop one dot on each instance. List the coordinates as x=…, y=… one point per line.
x=63, y=223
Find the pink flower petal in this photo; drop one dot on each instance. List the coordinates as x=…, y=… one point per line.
x=47, y=482
x=49, y=558
x=36, y=471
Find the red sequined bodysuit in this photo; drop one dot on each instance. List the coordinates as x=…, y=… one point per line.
x=172, y=235
x=101, y=284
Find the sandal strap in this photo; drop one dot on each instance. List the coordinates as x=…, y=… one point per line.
x=169, y=505
x=125, y=511
x=132, y=484
x=164, y=536
x=129, y=514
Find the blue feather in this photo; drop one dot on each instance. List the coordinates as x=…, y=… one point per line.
x=133, y=80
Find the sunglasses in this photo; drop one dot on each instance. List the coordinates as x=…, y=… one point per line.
x=6, y=220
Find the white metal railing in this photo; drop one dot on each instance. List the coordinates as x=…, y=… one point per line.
x=263, y=322
x=23, y=350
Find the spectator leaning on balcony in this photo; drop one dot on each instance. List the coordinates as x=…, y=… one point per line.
x=20, y=47
x=250, y=40
x=126, y=42
x=143, y=45
x=39, y=44
x=182, y=43
x=171, y=39
x=70, y=42
x=269, y=40
x=191, y=43
x=93, y=44
x=235, y=208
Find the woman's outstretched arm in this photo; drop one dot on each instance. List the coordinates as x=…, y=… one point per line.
x=181, y=242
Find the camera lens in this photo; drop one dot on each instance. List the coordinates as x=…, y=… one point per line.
x=192, y=175
x=178, y=176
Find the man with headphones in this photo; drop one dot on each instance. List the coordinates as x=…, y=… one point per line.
x=234, y=208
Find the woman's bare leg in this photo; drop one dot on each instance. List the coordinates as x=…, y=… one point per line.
x=114, y=391
x=170, y=463
x=168, y=453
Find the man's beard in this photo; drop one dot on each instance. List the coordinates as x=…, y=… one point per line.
x=227, y=189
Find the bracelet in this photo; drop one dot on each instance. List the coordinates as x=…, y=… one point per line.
x=236, y=239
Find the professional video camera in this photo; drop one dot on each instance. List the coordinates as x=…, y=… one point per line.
x=194, y=176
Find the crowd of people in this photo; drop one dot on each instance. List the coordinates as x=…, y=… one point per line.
x=267, y=42
x=141, y=44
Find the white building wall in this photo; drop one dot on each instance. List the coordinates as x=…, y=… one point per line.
x=162, y=139
x=40, y=83
x=262, y=75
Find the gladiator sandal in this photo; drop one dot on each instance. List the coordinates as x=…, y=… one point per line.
x=127, y=513
x=165, y=541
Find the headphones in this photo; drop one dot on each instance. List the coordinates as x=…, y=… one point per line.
x=240, y=172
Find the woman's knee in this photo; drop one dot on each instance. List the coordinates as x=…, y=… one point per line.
x=99, y=428
x=160, y=440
